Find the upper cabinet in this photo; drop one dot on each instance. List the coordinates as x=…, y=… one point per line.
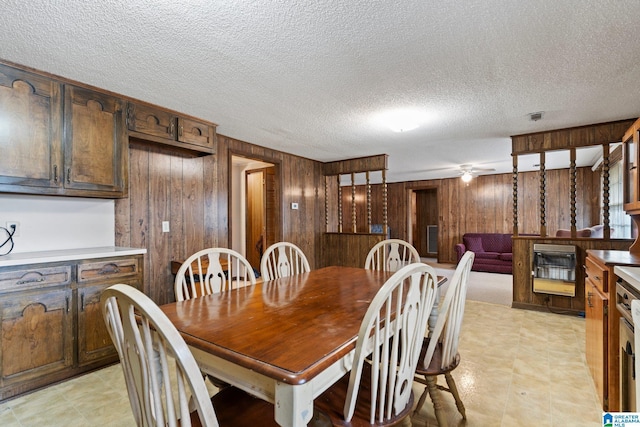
x=60, y=139
x=152, y=123
x=95, y=142
x=31, y=131
x=631, y=177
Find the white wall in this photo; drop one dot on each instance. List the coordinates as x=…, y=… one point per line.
x=50, y=222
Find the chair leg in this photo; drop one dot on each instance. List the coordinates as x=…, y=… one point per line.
x=434, y=392
x=423, y=397
x=454, y=391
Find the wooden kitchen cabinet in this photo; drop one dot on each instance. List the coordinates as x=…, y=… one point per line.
x=630, y=143
x=52, y=322
x=602, y=322
x=60, y=139
x=148, y=122
x=94, y=342
x=95, y=145
x=596, y=326
x=31, y=130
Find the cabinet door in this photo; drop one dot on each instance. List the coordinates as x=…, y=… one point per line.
x=94, y=342
x=30, y=130
x=196, y=133
x=596, y=337
x=94, y=142
x=36, y=336
x=151, y=121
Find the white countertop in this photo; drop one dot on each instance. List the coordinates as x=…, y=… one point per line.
x=631, y=275
x=67, y=255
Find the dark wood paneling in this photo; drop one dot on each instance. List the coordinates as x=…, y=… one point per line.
x=348, y=249
x=192, y=193
x=362, y=164
x=483, y=205
x=561, y=139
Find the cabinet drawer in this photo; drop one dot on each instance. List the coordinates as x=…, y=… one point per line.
x=24, y=279
x=108, y=270
x=599, y=276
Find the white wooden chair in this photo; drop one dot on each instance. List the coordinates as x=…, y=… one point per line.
x=283, y=259
x=378, y=389
x=439, y=355
x=211, y=271
x=149, y=346
x=391, y=255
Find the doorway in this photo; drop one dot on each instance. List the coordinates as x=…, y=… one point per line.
x=255, y=215
x=424, y=221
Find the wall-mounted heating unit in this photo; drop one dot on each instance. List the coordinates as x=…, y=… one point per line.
x=554, y=269
x=432, y=239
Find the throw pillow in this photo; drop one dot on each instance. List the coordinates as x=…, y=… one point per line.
x=473, y=244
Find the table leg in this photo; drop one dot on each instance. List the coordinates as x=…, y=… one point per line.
x=294, y=404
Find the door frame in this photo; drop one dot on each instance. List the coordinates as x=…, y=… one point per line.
x=277, y=164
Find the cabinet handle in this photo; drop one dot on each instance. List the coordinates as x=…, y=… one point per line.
x=24, y=282
x=172, y=129
x=55, y=173
x=109, y=269
x=68, y=175
x=180, y=131
x=589, y=295
x=67, y=300
x=597, y=278
x=81, y=302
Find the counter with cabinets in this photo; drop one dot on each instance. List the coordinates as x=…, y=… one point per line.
x=602, y=322
x=51, y=324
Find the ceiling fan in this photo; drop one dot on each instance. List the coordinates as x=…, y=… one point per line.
x=467, y=172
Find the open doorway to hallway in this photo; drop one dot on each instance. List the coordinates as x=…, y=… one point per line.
x=255, y=216
x=424, y=221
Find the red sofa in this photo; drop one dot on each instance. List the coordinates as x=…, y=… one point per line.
x=494, y=251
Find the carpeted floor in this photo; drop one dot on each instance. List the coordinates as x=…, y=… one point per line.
x=486, y=287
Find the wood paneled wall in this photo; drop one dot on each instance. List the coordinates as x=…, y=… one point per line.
x=192, y=193
x=485, y=205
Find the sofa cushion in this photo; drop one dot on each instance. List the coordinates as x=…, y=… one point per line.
x=487, y=255
x=473, y=243
x=492, y=242
x=506, y=256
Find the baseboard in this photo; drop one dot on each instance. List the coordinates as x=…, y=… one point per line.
x=545, y=309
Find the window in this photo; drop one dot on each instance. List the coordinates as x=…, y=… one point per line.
x=619, y=221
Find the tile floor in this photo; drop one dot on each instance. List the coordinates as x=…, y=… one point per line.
x=519, y=368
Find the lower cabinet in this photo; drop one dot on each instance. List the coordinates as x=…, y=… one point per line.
x=52, y=326
x=596, y=313
x=37, y=337
x=602, y=322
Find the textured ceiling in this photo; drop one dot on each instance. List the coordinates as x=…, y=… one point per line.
x=311, y=77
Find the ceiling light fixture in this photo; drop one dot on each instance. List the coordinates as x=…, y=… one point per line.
x=466, y=176
x=402, y=120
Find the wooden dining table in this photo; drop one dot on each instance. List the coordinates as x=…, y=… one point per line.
x=285, y=340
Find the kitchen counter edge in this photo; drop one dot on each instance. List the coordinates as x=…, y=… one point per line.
x=25, y=258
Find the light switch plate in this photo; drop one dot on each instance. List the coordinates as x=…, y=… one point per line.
x=165, y=226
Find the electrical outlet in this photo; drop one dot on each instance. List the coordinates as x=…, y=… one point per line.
x=294, y=205
x=11, y=224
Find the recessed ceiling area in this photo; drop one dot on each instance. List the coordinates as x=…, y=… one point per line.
x=310, y=77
